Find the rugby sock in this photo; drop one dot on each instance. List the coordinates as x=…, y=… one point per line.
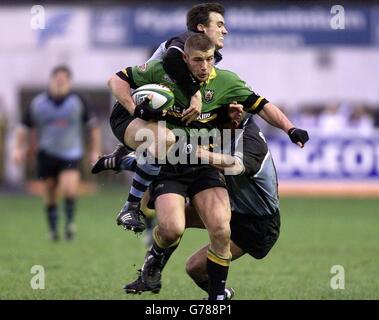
x=167, y=254
x=204, y=285
x=143, y=177
x=159, y=251
x=52, y=217
x=128, y=163
x=217, y=268
x=69, y=205
x=156, y=250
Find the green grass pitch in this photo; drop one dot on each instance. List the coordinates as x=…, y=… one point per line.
x=316, y=234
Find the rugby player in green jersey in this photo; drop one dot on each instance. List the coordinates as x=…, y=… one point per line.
x=203, y=184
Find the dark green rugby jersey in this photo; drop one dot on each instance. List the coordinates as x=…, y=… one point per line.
x=222, y=88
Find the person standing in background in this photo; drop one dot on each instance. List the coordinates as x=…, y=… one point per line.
x=58, y=117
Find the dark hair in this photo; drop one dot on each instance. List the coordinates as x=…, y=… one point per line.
x=198, y=41
x=61, y=68
x=199, y=14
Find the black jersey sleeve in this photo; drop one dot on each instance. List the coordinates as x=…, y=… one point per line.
x=253, y=149
x=175, y=66
x=177, y=69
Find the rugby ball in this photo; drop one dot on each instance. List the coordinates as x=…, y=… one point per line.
x=162, y=96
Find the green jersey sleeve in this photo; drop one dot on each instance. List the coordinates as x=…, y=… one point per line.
x=239, y=91
x=138, y=76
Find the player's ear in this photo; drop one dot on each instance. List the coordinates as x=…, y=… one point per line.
x=185, y=57
x=200, y=27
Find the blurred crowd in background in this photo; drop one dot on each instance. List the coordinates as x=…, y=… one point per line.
x=335, y=119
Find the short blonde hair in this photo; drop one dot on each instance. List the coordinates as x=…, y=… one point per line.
x=199, y=42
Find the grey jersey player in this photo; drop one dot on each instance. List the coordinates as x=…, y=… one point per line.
x=58, y=117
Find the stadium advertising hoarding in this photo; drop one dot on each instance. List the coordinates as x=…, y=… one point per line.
x=324, y=159
x=249, y=26
x=116, y=27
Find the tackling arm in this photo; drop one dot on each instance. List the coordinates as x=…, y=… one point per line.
x=175, y=66
x=221, y=161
